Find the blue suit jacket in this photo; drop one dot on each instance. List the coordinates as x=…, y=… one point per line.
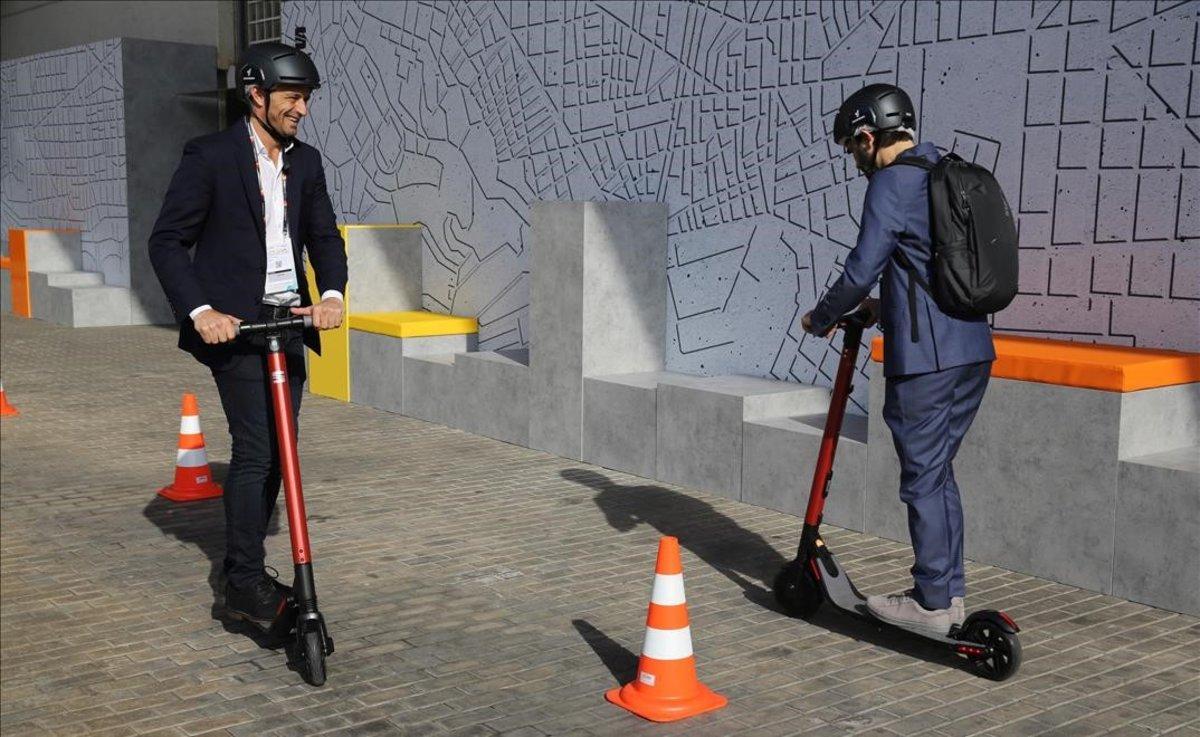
x=214, y=203
x=896, y=217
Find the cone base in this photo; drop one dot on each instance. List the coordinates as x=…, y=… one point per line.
x=9, y=412
x=665, y=710
x=208, y=490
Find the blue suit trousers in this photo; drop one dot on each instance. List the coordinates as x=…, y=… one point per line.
x=929, y=415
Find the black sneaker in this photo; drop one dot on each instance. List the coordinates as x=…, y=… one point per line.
x=259, y=603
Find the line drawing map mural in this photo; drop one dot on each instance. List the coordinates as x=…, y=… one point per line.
x=62, y=150
x=458, y=115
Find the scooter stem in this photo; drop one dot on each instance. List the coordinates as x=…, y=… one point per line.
x=852, y=330
x=289, y=460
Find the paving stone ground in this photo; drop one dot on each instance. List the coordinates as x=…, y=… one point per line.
x=473, y=588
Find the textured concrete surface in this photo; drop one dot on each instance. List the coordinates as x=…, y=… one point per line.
x=778, y=457
x=41, y=281
x=700, y=425
x=377, y=365
x=88, y=306
x=429, y=388
x=620, y=421
x=385, y=264
x=473, y=588
x=1158, y=530
x=491, y=394
x=599, y=306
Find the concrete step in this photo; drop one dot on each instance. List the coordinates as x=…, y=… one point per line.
x=1158, y=530
x=87, y=306
x=40, y=283
x=780, y=454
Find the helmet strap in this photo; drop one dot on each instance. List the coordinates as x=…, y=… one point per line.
x=265, y=121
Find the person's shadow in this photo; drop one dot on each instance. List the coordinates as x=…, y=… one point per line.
x=202, y=524
x=741, y=555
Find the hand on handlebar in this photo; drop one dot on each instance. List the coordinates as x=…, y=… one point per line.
x=326, y=315
x=806, y=323
x=216, y=327
x=871, y=305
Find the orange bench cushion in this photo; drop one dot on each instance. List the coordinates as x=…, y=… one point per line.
x=1110, y=368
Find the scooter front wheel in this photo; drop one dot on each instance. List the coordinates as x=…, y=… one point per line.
x=312, y=657
x=797, y=591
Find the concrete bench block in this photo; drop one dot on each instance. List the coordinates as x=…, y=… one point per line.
x=780, y=454
x=620, y=421
x=53, y=250
x=492, y=388
x=700, y=425
x=598, y=306
x=1158, y=530
x=41, y=281
x=377, y=365
x=1037, y=473
x=428, y=388
x=87, y=307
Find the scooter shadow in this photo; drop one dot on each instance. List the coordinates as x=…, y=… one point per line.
x=202, y=524
x=741, y=555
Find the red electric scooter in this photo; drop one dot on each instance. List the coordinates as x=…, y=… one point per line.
x=300, y=616
x=987, y=638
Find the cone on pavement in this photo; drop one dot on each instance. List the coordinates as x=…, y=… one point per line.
x=193, y=477
x=6, y=409
x=666, y=687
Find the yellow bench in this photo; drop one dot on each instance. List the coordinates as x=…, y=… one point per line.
x=413, y=324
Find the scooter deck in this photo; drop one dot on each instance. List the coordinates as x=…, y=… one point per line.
x=840, y=591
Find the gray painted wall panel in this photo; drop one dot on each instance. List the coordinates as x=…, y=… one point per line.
x=461, y=115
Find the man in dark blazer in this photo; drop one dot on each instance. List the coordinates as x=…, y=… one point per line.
x=936, y=365
x=250, y=201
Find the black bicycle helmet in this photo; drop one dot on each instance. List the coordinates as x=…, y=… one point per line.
x=875, y=107
x=268, y=65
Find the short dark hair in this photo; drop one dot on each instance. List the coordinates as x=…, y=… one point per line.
x=886, y=138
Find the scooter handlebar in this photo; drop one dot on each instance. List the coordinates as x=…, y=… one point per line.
x=298, y=322
x=858, y=318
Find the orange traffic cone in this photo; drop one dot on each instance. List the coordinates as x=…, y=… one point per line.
x=6, y=409
x=666, y=687
x=193, y=478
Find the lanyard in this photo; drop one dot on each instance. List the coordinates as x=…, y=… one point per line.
x=254, y=144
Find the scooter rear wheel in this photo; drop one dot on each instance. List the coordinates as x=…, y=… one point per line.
x=797, y=591
x=1003, y=656
x=312, y=658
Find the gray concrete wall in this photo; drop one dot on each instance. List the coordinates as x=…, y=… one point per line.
x=462, y=114
x=38, y=26
x=157, y=77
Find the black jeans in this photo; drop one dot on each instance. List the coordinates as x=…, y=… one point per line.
x=252, y=484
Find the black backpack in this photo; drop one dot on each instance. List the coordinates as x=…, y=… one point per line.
x=974, y=241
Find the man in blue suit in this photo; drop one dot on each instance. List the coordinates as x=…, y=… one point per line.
x=936, y=365
x=251, y=200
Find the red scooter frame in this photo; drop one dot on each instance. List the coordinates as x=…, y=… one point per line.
x=987, y=638
x=312, y=640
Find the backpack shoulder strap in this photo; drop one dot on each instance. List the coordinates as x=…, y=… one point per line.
x=918, y=161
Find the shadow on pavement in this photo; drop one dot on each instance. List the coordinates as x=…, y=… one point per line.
x=616, y=657
x=741, y=555
x=202, y=524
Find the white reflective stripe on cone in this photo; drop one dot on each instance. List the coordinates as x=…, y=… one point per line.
x=668, y=644
x=189, y=425
x=191, y=458
x=668, y=589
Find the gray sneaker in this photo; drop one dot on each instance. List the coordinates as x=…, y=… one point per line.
x=958, y=610
x=904, y=611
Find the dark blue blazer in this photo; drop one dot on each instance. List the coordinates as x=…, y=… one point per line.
x=896, y=217
x=215, y=205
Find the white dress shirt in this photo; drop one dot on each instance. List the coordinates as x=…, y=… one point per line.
x=271, y=182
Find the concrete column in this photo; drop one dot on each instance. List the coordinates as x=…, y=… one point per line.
x=598, y=305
